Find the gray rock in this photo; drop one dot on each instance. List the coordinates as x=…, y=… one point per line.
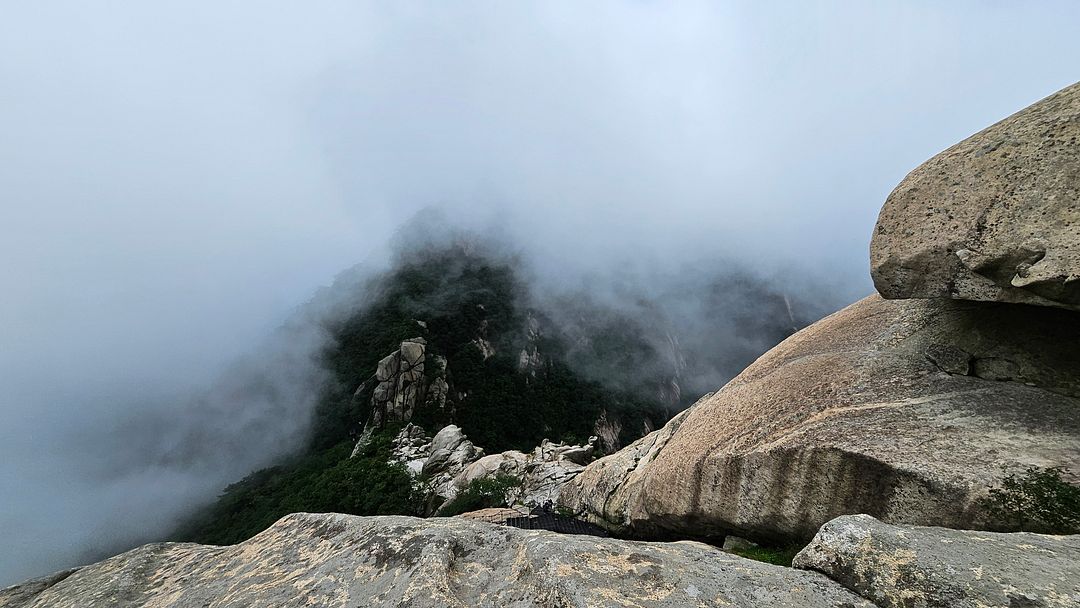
x=347, y=561
x=24, y=593
x=608, y=431
x=511, y=462
x=917, y=567
x=851, y=415
x=411, y=447
x=543, y=473
x=995, y=217
x=607, y=491
x=450, y=452
x=400, y=385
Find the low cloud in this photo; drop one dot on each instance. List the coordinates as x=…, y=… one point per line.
x=178, y=179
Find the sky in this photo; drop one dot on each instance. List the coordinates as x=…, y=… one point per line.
x=176, y=178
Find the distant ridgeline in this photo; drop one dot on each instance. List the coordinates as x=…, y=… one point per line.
x=451, y=336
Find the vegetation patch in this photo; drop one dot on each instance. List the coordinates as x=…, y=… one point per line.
x=322, y=482
x=1039, y=500
x=482, y=493
x=780, y=556
x=454, y=300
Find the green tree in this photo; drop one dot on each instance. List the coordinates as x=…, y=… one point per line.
x=482, y=493
x=1039, y=500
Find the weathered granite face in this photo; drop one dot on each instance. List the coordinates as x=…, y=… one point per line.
x=607, y=491
x=903, y=409
x=995, y=217
x=913, y=567
x=346, y=561
x=400, y=386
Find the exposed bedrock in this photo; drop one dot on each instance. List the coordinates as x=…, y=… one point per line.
x=995, y=217
x=906, y=410
x=920, y=567
x=341, y=560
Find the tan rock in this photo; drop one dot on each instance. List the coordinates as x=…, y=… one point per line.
x=494, y=515
x=853, y=415
x=906, y=566
x=995, y=217
x=403, y=562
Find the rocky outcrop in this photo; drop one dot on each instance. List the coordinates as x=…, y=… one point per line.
x=451, y=452
x=405, y=380
x=437, y=460
x=543, y=473
x=905, y=410
x=494, y=515
x=411, y=447
x=399, y=383
x=341, y=560
x=995, y=217
x=449, y=462
x=608, y=430
x=26, y=593
x=916, y=567
x=604, y=491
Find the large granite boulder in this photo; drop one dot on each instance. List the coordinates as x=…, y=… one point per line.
x=341, y=560
x=904, y=409
x=995, y=217
x=917, y=567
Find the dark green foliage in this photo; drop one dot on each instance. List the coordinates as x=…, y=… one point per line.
x=452, y=299
x=483, y=493
x=459, y=297
x=326, y=481
x=1040, y=500
x=779, y=556
x=462, y=298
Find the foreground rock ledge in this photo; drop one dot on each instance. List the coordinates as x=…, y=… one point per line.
x=995, y=217
x=908, y=567
x=342, y=560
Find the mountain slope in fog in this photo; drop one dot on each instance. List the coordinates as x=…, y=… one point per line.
x=512, y=367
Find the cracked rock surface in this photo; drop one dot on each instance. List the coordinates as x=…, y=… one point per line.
x=995, y=217
x=917, y=567
x=904, y=409
x=333, y=560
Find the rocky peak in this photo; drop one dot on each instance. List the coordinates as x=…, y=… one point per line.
x=399, y=384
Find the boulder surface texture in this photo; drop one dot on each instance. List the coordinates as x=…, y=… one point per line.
x=995, y=217
x=341, y=560
x=908, y=410
x=914, y=567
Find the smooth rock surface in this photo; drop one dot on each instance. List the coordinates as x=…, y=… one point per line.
x=331, y=560
x=995, y=217
x=858, y=413
x=919, y=567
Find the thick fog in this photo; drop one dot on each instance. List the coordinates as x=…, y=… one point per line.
x=177, y=178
